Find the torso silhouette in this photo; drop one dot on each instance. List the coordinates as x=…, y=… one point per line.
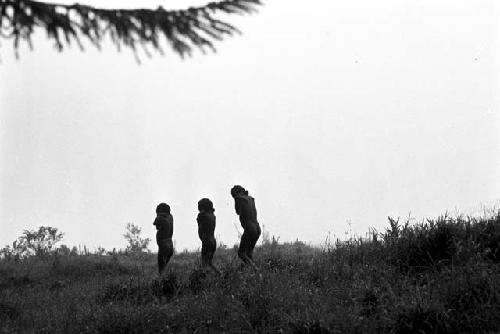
x=206, y=225
x=245, y=208
x=165, y=226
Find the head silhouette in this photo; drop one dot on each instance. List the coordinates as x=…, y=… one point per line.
x=205, y=204
x=163, y=208
x=238, y=190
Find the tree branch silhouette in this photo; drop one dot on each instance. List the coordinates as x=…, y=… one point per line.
x=184, y=30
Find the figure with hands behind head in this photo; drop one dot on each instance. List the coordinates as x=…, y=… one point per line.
x=244, y=205
x=206, y=228
x=164, y=223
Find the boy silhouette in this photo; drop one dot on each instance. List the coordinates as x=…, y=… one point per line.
x=206, y=228
x=164, y=223
x=244, y=205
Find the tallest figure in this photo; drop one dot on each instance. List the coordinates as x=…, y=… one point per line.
x=244, y=205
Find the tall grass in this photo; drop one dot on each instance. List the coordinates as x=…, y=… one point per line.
x=439, y=276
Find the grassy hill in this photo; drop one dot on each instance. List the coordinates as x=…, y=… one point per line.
x=441, y=276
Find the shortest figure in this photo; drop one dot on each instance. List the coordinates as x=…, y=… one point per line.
x=206, y=228
x=164, y=223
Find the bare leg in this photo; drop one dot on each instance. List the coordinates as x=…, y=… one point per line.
x=246, y=259
x=165, y=252
x=206, y=261
x=211, y=264
x=243, y=250
x=248, y=242
x=161, y=263
x=207, y=254
x=250, y=250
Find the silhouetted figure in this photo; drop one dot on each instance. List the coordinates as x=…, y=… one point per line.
x=245, y=208
x=206, y=228
x=164, y=223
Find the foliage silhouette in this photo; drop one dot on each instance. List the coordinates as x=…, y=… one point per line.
x=183, y=29
x=33, y=242
x=136, y=244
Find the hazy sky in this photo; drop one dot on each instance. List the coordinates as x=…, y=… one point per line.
x=333, y=112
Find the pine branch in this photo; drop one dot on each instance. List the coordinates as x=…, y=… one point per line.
x=184, y=30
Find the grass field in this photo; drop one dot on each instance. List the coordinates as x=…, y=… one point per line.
x=441, y=276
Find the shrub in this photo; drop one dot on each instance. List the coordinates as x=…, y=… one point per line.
x=33, y=242
x=439, y=242
x=487, y=237
x=136, y=244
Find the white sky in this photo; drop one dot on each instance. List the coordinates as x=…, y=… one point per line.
x=334, y=112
